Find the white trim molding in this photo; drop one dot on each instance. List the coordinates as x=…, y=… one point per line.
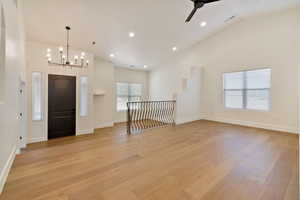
x=35, y=140
x=179, y=121
x=105, y=125
x=273, y=127
x=84, y=132
x=120, y=121
x=5, y=171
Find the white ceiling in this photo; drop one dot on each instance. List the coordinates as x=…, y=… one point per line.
x=158, y=24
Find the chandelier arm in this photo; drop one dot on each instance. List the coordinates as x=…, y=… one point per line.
x=64, y=60
x=68, y=32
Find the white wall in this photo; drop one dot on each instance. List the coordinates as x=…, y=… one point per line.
x=105, y=103
x=9, y=107
x=165, y=82
x=37, y=62
x=261, y=41
x=130, y=76
x=180, y=82
x=189, y=100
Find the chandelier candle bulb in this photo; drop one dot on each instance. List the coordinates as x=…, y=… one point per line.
x=48, y=55
x=82, y=54
x=63, y=58
x=48, y=50
x=75, y=59
x=61, y=49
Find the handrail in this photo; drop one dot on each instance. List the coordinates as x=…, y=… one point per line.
x=149, y=114
x=150, y=101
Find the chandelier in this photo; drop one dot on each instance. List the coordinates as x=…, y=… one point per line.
x=64, y=60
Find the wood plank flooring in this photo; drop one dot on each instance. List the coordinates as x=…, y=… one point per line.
x=202, y=160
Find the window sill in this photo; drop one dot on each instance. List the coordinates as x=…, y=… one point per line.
x=37, y=121
x=245, y=110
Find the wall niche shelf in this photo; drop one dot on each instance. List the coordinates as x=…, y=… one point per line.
x=99, y=93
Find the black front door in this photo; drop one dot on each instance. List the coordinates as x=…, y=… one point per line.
x=61, y=106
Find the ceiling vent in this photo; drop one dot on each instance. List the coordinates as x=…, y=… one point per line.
x=230, y=18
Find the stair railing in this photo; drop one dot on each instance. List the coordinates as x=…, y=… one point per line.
x=143, y=115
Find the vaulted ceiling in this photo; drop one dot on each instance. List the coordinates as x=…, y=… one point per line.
x=158, y=25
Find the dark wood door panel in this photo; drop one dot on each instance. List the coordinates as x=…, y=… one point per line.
x=61, y=106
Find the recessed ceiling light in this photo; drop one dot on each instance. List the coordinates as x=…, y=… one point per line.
x=203, y=24
x=131, y=34
x=174, y=48
x=112, y=55
x=145, y=66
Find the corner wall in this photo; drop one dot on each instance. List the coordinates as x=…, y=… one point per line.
x=104, y=103
x=180, y=82
x=258, y=42
x=9, y=107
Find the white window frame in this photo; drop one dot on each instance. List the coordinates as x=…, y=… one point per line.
x=244, y=91
x=41, y=98
x=128, y=96
x=81, y=114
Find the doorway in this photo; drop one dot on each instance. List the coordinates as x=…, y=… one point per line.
x=61, y=106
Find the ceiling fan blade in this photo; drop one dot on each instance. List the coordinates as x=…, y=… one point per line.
x=210, y=1
x=191, y=15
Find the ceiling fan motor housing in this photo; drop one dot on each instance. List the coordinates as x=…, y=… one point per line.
x=199, y=4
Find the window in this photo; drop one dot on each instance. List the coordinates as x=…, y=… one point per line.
x=37, y=96
x=84, y=97
x=2, y=55
x=127, y=92
x=248, y=89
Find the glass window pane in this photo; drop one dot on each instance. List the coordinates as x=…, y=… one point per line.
x=83, y=96
x=234, y=99
x=258, y=79
x=135, y=89
x=127, y=92
x=134, y=98
x=122, y=103
x=36, y=96
x=258, y=99
x=122, y=89
x=234, y=80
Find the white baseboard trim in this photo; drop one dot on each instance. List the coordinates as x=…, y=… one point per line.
x=189, y=119
x=120, y=121
x=294, y=130
x=105, y=125
x=5, y=171
x=35, y=140
x=84, y=132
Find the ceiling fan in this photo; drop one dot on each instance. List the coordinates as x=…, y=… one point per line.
x=198, y=4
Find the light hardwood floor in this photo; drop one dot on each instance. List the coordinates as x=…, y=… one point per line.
x=197, y=161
